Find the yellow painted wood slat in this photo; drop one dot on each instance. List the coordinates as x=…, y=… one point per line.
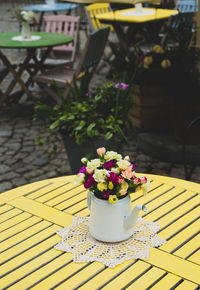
x=29, y=254
x=161, y=200
x=195, y=257
x=14, y=220
x=66, y=272
x=26, y=269
x=4, y=208
x=166, y=282
x=61, y=198
x=19, y=227
x=65, y=191
x=189, y=247
x=179, y=224
x=43, y=211
x=173, y=208
x=181, y=237
x=131, y=273
x=77, y=207
x=106, y=275
x=23, y=235
x=71, y=201
x=43, y=191
x=9, y=214
x=175, y=265
x=26, y=244
x=177, y=182
x=147, y=279
x=83, y=212
x=21, y=190
x=170, y=205
x=187, y=285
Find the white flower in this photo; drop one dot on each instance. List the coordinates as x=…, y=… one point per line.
x=145, y=187
x=123, y=164
x=100, y=175
x=111, y=155
x=115, y=170
x=27, y=15
x=93, y=164
x=84, y=160
x=79, y=179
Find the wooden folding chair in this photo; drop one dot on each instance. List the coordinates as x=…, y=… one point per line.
x=93, y=10
x=89, y=61
x=65, y=24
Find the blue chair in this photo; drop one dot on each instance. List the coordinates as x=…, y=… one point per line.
x=187, y=6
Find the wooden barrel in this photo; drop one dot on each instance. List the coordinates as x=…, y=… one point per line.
x=151, y=107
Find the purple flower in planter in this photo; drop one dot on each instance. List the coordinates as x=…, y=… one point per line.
x=82, y=170
x=88, y=93
x=109, y=164
x=113, y=177
x=90, y=182
x=121, y=86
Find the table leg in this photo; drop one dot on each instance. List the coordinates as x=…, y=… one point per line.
x=16, y=76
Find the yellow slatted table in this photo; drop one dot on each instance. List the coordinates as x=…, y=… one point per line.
x=30, y=215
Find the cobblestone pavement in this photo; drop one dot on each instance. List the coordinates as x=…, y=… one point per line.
x=22, y=161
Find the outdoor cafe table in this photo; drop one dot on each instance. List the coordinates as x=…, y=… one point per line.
x=150, y=18
x=31, y=63
x=31, y=214
x=55, y=8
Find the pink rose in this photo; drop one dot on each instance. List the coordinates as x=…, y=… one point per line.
x=101, y=151
x=137, y=180
x=143, y=179
x=128, y=174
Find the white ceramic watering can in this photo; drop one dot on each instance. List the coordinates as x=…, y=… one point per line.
x=112, y=222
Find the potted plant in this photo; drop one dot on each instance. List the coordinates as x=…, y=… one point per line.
x=110, y=179
x=88, y=119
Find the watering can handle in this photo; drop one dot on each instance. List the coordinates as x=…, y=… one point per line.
x=89, y=196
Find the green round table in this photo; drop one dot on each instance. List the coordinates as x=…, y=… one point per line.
x=46, y=40
x=31, y=63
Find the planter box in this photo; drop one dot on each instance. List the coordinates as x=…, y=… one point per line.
x=75, y=152
x=150, y=107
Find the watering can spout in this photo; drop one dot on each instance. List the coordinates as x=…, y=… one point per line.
x=130, y=222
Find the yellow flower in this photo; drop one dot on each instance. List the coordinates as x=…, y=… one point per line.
x=102, y=186
x=148, y=61
x=113, y=199
x=110, y=185
x=158, y=49
x=166, y=63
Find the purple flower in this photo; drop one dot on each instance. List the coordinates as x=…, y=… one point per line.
x=109, y=164
x=113, y=177
x=90, y=182
x=82, y=170
x=105, y=194
x=88, y=93
x=133, y=166
x=121, y=86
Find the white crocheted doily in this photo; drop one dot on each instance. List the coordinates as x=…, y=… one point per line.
x=77, y=240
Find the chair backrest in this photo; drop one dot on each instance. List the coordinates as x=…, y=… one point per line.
x=187, y=5
x=65, y=24
x=93, y=51
x=94, y=9
x=180, y=30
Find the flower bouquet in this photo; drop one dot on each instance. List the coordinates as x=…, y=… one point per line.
x=110, y=176
x=25, y=17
